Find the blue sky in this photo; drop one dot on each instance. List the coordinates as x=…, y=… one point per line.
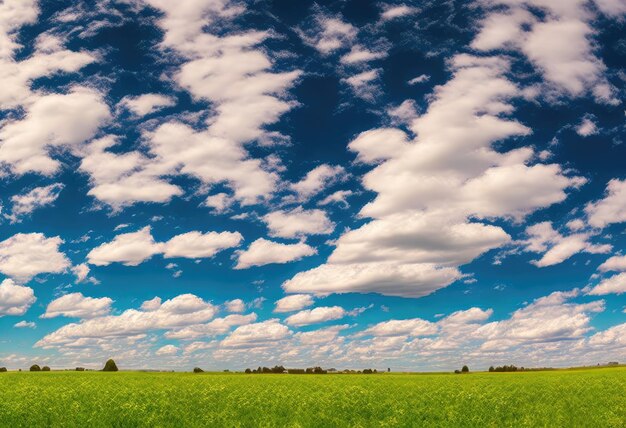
x=415, y=185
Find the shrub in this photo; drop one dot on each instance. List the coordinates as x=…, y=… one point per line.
x=110, y=366
x=35, y=368
x=3, y=369
x=198, y=370
x=457, y=372
x=465, y=369
x=45, y=369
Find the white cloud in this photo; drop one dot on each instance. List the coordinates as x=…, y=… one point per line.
x=145, y=104
x=614, y=8
x=330, y=33
x=15, y=299
x=25, y=255
x=587, y=127
x=36, y=198
x=167, y=350
x=82, y=274
x=409, y=327
x=320, y=336
x=559, y=45
x=293, y=303
x=615, y=263
x=395, y=12
x=263, y=252
x=177, y=312
x=131, y=249
x=220, y=202
x=261, y=334
x=315, y=316
x=214, y=328
x=236, y=305
x=542, y=238
x=615, y=284
x=298, y=222
x=317, y=180
x=52, y=122
x=363, y=84
x=198, y=245
x=339, y=197
x=422, y=78
x=75, y=305
x=611, y=209
x=359, y=54
x=545, y=320
x=151, y=305
x=428, y=189
x=25, y=324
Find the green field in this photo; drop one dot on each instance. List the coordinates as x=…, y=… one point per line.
x=567, y=398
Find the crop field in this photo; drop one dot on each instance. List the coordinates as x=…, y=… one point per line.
x=567, y=398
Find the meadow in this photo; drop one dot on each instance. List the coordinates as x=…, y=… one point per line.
x=563, y=398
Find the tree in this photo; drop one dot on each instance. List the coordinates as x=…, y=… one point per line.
x=80, y=369
x=110, y=366
x=35, y=368
x=248, y=371
x=3, y=369
x=198, y=370
x=491, y=369
x=465, y=369
x=45, y=369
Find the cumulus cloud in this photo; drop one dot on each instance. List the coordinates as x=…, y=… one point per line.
x=611, y=209
x=395, y=12
x=36, y=198
x=236, y=305
x=615, y=263
x=146, y=104
x=25, y=255
x=292, y=303
x=587, y=127
x=51, y=122
x=216, y=327
x=167, y=350
x=132, y=249
x=177, y=312
x=316, y=316
x=615, y=284
x=75, y=305
x=317, y=180
x=261, y=334
x=15, y=299
x=298, y=222
x=25, y=324
x=329, y=33
x=427, y=190
x=263, y=252
x=556, y=248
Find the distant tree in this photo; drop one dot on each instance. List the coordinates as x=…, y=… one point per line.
x=198, y=370
x=3, y=369
x=465, y=369
x=278, y=369
x=457, y=372
x=367, y=371
x=296, y=371
x=491, y=369
x=248, y=371
x=110, y=366
x=35, y=368
x=388, y=370
x=45, y=369
x=80, y=369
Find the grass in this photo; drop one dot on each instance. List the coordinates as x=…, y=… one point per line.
x=576, y=398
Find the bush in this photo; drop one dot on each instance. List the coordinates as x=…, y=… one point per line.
x=3, y=369
x=465, y=369
x=198, y=370
x=45, y=369
x=35, y=368
x=457, y=372
x=110, y=366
